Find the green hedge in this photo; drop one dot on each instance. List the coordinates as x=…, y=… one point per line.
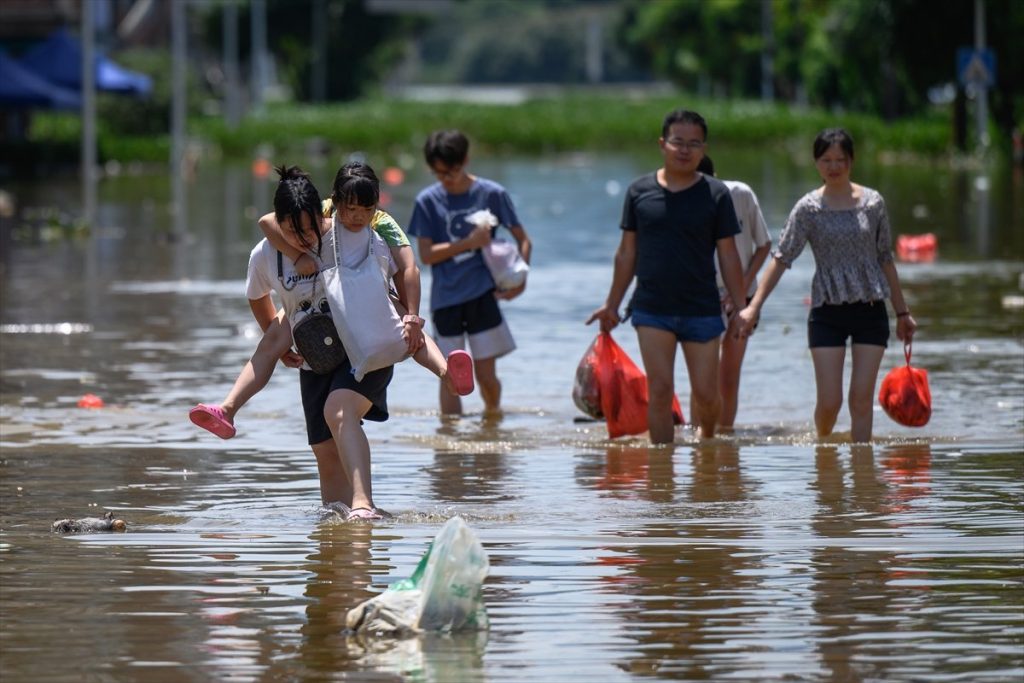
x=572, y=122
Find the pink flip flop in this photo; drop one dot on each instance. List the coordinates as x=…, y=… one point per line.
x=460, y=369
x=212, y=419
x=363, y=514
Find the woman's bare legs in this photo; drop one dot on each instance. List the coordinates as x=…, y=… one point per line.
x=335, y=486
x=828, y=377
x=344, y=411
x=867, y=358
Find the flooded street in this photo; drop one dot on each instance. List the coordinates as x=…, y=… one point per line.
x=761, y=555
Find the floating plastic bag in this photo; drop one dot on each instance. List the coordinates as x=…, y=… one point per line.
x=609, y=385
x=905, y=396
x=444, y=592
x=917, y=248
x=501, y=256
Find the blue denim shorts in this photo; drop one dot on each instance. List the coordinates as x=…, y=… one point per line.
x=687, y=328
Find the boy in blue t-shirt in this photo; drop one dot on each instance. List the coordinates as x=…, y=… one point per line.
x=463, y=296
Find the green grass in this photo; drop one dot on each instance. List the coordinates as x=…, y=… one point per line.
x=573, y=122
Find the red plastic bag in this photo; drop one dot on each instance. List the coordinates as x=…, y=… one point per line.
x=905, y=396
x=610, y=385
x=586, y=389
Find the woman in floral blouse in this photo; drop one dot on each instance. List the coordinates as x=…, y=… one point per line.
x=848, y=229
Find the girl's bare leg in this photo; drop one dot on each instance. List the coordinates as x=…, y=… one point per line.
x=429, y=355
x=276, y=340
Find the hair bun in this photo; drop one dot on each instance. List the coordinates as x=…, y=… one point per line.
x=290, y=172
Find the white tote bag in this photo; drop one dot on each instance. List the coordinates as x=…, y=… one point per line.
x=501, y=256
x=368, y=324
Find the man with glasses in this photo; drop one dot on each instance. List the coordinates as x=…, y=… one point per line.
x=463, y=296
x=673, y=222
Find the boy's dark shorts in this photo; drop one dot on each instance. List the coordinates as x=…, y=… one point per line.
x=316, y=388
x=470, y=317
x=863, y=322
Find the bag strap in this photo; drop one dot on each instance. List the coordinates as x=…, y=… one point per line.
x=334, y=241
x=280, y=275
x=906, y=351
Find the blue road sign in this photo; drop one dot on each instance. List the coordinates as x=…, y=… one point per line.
x=976, y=67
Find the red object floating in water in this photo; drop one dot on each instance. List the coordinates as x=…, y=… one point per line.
x=917, y=248
x=90, y=401
x=260, y=168
x=394, y=175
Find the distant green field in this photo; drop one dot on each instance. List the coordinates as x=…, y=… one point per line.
x=572, y=122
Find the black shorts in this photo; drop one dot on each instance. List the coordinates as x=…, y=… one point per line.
x=470, y=317
x=864, y=322
x=316, y=388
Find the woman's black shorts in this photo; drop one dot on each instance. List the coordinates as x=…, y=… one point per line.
x=864, y=322
x=316, y=388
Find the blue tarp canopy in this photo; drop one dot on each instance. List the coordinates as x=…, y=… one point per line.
x=58, y=59
x=20, y=87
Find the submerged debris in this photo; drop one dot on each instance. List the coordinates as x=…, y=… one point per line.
x=86, y=524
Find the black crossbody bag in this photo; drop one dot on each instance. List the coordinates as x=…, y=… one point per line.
x=315, y=336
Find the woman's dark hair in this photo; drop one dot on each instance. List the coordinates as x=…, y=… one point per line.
x=356, y=183
x=833, y=136
x=683, y=116
x=450, y=147
x=296, y=195
x=706, y=166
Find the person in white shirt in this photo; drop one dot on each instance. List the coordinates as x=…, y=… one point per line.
x=753, y=245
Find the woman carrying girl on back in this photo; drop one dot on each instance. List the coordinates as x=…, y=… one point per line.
x=847, y=227
x=334, y=403
x=276, y=343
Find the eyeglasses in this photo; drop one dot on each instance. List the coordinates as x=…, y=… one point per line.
x=449, y=173
x=678, y=143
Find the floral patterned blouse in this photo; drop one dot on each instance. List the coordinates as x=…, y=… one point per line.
x=849, y=247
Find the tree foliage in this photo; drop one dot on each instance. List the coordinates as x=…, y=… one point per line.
x=362, y=47
x=877, y=56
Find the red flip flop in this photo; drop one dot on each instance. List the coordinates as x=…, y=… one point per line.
x=460, y=369
x=212, y=419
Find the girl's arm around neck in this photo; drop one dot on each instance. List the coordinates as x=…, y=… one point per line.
x=272, y=231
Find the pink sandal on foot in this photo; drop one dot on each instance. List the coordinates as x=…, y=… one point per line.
x=460, y=369
x=363, y=514
x=212, y=419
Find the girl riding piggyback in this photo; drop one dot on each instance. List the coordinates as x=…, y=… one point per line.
x=290, y=260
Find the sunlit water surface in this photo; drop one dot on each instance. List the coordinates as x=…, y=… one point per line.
x=761, y=555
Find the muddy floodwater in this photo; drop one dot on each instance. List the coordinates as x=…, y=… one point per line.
x=767, y=554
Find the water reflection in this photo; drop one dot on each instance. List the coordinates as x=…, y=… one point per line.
x=699, y=552
x=627, y=472
x=852, y=602
x=428, y=658
x=907, y=471
x=342, y=569
x=470, y=466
